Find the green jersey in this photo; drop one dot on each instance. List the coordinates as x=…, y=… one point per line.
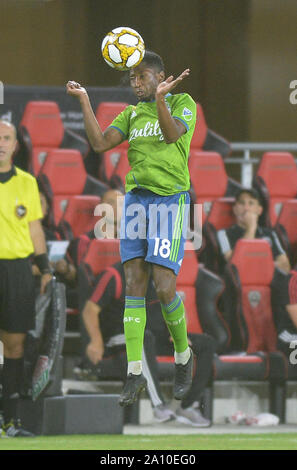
x=162, y=168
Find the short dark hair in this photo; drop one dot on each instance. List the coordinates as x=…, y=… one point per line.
x=154, y=60
x=252, y=192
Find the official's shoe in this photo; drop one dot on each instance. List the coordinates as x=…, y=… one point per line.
x=192, y=416
x=15, y=429
x=183, y=378
x=134, y=385
x=163, y=413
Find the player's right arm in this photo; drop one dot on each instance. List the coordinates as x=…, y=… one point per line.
x=90, y=315
x=100, y=141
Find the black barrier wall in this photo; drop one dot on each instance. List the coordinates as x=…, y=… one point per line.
x=16, y=98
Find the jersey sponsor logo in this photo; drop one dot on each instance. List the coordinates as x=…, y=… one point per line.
x=20, y=211
x=149, y=130
x=187, y=114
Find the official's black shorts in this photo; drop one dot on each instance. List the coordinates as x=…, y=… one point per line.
x=17, y=296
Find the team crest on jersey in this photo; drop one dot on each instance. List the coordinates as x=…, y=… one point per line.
x=20, y=211
x=187, y=114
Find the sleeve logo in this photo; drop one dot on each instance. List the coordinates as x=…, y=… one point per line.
x=187, y=114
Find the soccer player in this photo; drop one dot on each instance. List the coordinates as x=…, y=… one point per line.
x=21, y=235
x=159, y=131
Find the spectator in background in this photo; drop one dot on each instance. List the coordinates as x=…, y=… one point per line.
x=247, y=210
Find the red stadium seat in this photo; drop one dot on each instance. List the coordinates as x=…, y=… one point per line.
x=118, y=178
x=64, y=171
x=205, y=139
x=254, y=266
x=109, y=162
x=42, y=129
x=101, y=254
x=63, y=175
x=249, y=315
x=79, y=217
x=220, y=216
x=106, y=112
x=208, y=177
x=185, y=287
x=59, y=205
x=276, y=180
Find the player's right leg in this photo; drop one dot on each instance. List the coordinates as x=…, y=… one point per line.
x=137, y=273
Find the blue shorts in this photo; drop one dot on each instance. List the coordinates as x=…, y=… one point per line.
x=154, y=227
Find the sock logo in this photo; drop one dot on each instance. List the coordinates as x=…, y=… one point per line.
x=128, y=319
x=175, y=322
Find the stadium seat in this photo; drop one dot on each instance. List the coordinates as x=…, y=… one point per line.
x=248, y=312
x=220, y=216
x=208, y=177
x=205, y=139
x=276, y=180
x=59, y=205
x=100, y=254
x=63, y=174
x=122, y=168
x=286, y=228
x=78, y=217
x=106, y=112
x=42, y=129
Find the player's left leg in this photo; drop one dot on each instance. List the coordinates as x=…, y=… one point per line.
x=174, y=315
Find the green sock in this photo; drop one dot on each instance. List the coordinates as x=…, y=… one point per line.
x=134, y=325
x=174, y=316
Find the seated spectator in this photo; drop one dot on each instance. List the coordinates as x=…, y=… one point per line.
x=247, y=209
x=103, y=338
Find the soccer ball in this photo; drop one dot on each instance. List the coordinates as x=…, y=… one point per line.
x=123, y=48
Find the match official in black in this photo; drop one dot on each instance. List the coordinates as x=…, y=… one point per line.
x=21, y=236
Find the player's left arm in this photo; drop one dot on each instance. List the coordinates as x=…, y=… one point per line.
x=172, y=129
x=40, y=252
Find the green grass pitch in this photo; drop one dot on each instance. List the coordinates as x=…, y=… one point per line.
x=286, y=441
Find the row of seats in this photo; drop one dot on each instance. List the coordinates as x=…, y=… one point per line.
x=63, y=174
x=41, y=129
x=256, y=357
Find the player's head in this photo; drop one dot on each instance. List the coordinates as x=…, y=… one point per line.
x=247, y=200
x=8, y=142
x=145, y=78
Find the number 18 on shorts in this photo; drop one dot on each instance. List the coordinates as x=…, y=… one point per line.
x=155, y=227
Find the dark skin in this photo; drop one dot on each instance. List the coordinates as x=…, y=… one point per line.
x=148, y=83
